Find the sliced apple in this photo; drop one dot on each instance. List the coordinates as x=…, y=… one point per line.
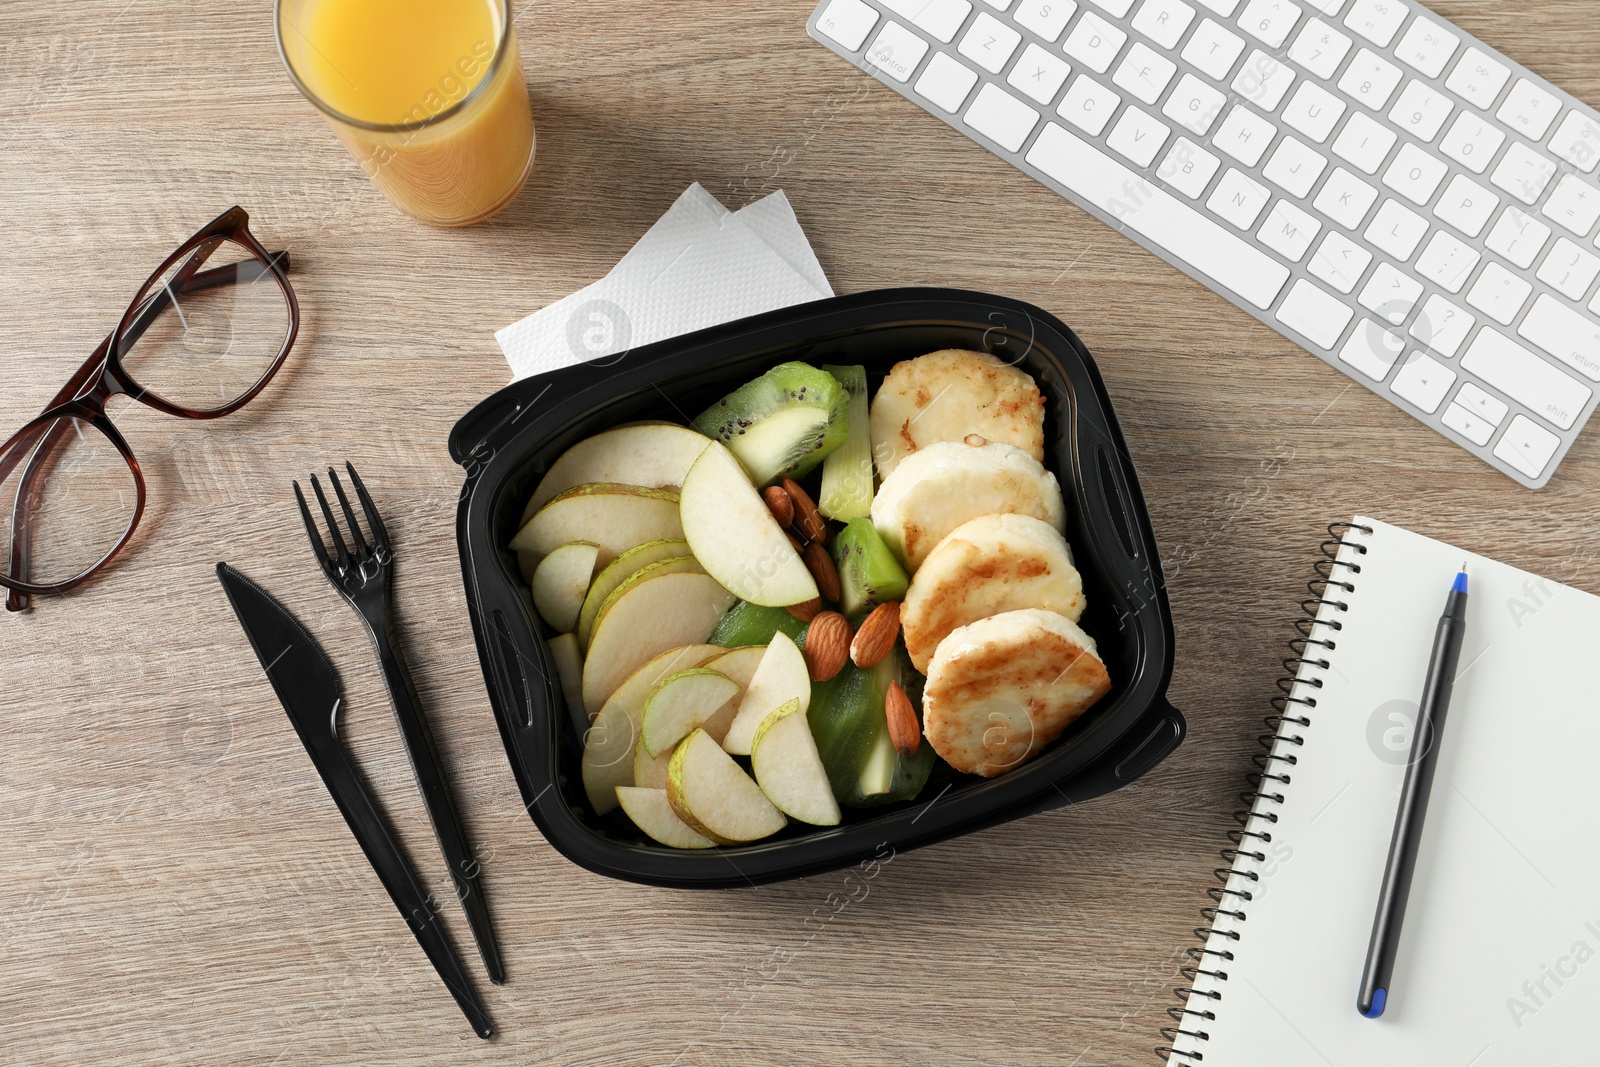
x=715, y=797
x=734, y=536
x=618, y=571
x=653, y=454
x=645, y=620
x=569, y=666
x=680, y=703
x=613, y=517
x=788, y=769
x=560, y=582
x=675, y=565
x=779, y=678
x=652, y=812
x=608, y=746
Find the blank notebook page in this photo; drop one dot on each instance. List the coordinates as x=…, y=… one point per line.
x=1499, y=961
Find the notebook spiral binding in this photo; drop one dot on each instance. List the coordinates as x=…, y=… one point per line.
x=1264, y=787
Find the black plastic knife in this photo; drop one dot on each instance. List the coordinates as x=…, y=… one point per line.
x=308, y=687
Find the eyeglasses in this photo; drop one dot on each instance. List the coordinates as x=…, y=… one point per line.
x=206, y=333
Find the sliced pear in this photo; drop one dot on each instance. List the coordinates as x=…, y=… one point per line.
x=651, y=812
x=650, y=772
x=618, y=571
x=608, y=746
x=675, y=565
x=614, y=517
x=734, y=536
x=708, y=791
x=788, y=769
x=647, y=619
x=680, y=703
x=654, y=454
x=740, y=665
x=560, y=582
x=779, y=678
x=569, y=665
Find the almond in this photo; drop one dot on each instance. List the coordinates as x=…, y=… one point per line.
x=779, y=503
x=807, y=519
x=904, y=731
x=794, y=543
x=806, y=610
x=877, y=635
x=822, y=569
x=827, y=645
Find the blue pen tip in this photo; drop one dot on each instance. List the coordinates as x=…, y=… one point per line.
x=1460, y=585
x=1379, y=998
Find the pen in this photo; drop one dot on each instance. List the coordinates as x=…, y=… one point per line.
x=1420, y=766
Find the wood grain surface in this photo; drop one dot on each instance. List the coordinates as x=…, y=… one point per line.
x=175, y=885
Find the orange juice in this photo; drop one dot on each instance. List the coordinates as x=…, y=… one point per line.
x=427, y=95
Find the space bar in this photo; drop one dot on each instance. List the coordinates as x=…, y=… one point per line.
x=1183, y=232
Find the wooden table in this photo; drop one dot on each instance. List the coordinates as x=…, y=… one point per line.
x=176, y=887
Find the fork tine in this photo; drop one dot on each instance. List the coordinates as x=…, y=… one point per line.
x=333, y=526
x=380, y=535
x=317, y=545
x=350, y=516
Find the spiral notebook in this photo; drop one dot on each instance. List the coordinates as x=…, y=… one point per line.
x=1499, y=962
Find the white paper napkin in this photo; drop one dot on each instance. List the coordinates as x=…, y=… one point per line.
x=698, y=266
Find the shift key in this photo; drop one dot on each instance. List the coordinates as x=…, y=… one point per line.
x=1539, y=386
x=1571, y=337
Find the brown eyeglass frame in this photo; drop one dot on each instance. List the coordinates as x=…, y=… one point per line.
x=102, y=376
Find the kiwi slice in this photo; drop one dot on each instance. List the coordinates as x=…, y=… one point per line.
x=752, y=624
x=847, y=485
x=869, y=574
x=783, y=423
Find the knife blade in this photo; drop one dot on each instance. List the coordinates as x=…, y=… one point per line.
x=308, y=687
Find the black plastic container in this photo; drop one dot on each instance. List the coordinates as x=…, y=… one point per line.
x=508, y=441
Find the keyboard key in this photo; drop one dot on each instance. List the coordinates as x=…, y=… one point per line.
x=1188, y=168
x=897, y=51
x=1486, y=406
x=1327, y=7
x=1466, y=205
x=1577, y=141
x=1467, y=424
x=1345, y=198
x=1478, y=78
x=1263, y=81
x=1194, y=105
x=1038, y=75
x=946, y=82
x=1570, y=336
x=1088, y=105
x=1289, y=231
x=1119, y=8
x=1094, y=42
x=1313, y=111
x=1427, y=46
x=1145, y=73
x=1314, y=315
x=1518, y=237
x=1364, y=143
x=1269, y=21
x=1244, y=135
x=1370, y=79
x=1222, y=7
x=1372, y=350
x=1499, y=294
x=1339, y=261
x=1529, y=110
x=1420, y=111
x=1294, y=167
x=1396, y=230
x=989, y=43
x=1539, y=386
x=1047, y=18
x=1213, y=49
x=1390, y=294
x=1163, y=21
x=1320, y=49
x=1523, y=173
x=847, y=22
x=1239, y=199
x=1001, y=117
x=940, y=18
x=1575, y=205
x=998, y=5
x=1183, y=232
x=1472, y=142
x=1442, y=326
x=1376, y=20
x=1138, y=137
x=1569, y=270
x=1447, y=262
x=1415, y=174
x=1527, y=446
x=1422, y=382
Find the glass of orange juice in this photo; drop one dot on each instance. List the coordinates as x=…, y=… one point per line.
x=427, y=95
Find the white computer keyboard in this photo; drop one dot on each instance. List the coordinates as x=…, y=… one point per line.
x=1361, y=175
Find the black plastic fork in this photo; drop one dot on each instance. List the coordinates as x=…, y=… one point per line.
x=362, y=572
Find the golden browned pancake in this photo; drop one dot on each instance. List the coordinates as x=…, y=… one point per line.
x=946, y=395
